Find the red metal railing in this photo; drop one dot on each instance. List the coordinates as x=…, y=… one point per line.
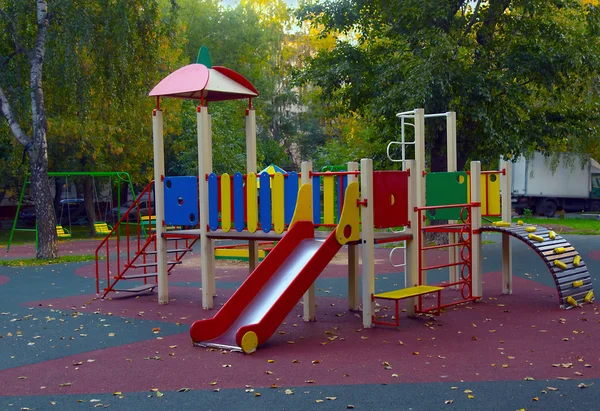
x=464, y=230
x=123, y=252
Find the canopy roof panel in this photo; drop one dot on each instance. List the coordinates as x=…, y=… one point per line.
x=195, y=81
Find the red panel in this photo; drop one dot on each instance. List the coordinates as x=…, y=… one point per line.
x=235, y=76
x=390, y=195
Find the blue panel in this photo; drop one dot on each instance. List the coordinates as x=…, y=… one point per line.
x=264, y=198
x=290, y=195
x=316, y=187
x=238, y=202
x=181, y=201
x=342, y=194
x=213, y=202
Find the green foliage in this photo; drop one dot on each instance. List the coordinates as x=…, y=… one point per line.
x=520, y=74
x=28, y=262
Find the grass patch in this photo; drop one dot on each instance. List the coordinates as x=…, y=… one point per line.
x=29, y=262
x=579, y=226
x=78, y=233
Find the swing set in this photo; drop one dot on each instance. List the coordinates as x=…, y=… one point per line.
x=101, y=227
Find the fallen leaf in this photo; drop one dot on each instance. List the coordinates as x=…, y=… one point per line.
x=65, y=384
x=529, y=379
x=552, y=388
x=448, y=401
x=318, y=401
x=288, y=392
x=582, y=385
x=535, y=399
x=270, y=361
x=183, y=390
x=331, y=398
x=310, y=381
x=257, y=394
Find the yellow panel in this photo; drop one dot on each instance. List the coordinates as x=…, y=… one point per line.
x=277, y=204
x=328, y=199
x=225, y=202
x=490, y=194
x=251, y=206
x=349, y=227
x=408, y=292
x=304, y=207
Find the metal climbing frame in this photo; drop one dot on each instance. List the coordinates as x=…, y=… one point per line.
x=464, y=231
x=120, y=176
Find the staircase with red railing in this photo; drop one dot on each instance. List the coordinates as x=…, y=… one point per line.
x=129, y=251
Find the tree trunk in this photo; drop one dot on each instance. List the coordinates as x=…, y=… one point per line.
x=44, y=208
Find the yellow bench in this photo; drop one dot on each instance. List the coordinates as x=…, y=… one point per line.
x=148, y=222
x=62, y=232
x=409, y=292
x=102, y=228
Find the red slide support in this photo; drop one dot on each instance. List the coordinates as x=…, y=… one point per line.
x=271, y=291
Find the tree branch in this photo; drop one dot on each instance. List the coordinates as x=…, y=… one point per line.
x=12, y=121
x=14, y=33
x=473, y=19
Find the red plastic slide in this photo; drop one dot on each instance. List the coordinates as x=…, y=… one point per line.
x=271, y=291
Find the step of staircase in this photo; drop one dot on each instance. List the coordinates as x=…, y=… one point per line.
x=137, y=276
x=153, y=264
x=175, y=250
x=138, y=289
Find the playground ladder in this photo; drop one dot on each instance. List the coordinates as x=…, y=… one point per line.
x=125, y=254
x=463, y=229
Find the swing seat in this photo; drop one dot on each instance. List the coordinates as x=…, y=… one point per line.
x=62, y=232
x=102, y=227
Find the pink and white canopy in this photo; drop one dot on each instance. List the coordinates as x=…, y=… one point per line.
x=195, y=81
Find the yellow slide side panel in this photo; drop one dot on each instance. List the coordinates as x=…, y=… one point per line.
x=304, y=206
x=225, y=202
x=252, y=203
x=277, y=203
x=348, y=228
x=328, y=200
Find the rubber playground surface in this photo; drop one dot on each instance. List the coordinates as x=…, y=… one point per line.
x=62, y=348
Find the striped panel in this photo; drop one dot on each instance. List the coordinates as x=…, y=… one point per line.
x=225, y=202
x=265, y=202
x=213, y=202
x=251, y=202
x=328, y=199
x=278, y=203
x=238, y=202
x=316, y=202
x=290, y=195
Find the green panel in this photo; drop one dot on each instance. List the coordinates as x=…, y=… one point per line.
x=445, y=189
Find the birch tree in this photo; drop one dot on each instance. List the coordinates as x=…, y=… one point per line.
x=34, y=141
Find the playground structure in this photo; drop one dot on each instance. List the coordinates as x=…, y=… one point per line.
x=355, y=205
x=62, y=232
